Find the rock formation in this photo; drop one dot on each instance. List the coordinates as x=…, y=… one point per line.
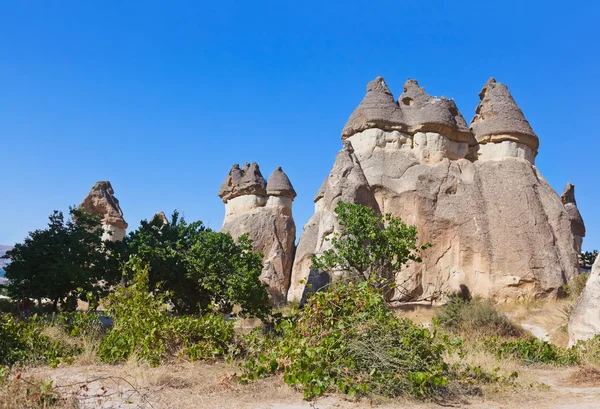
x=345, y=182
x=497, y=227
x=101, y=202
x=264, y=211
x=577, y=226
x=585, y=318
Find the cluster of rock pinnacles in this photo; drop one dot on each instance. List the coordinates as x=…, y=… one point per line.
x=497, y=228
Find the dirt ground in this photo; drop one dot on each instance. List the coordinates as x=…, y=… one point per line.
x=201, y=385
x=185, y=385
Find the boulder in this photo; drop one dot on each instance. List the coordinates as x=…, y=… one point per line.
x=264, y=211
x=101, y=202
x=584, y=322
x=346, y=182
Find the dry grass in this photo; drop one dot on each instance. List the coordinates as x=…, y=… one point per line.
x=588, y=376
x=29, y=392
x=549, y=314
x=419, y=314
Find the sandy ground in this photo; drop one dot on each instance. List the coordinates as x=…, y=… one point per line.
x=201, y=385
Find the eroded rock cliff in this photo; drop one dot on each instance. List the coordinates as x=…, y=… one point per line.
x=497, y=227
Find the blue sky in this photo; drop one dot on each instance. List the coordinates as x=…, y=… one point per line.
x=161, y=98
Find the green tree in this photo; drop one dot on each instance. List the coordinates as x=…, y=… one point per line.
x=370, y=246
x=587, y=259
x=198, y=267
x=66, y=257
x=164, y=248
x=226, y=273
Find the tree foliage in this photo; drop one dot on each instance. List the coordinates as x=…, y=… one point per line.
x=587, y=259
x=68, y=256
x=370, y=246
x=199, y=267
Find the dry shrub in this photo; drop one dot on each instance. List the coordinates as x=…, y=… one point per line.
x=586, y=376
x=20, y=392
x=575, y=286
x=476, y=318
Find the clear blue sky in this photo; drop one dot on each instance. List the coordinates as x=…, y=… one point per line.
x=161, y=98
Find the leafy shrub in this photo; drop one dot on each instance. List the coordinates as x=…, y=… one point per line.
x=80, y=324
x=475, y=317
x=24, y=341
x=532, y=350
x=348, y=340
x=144, y=329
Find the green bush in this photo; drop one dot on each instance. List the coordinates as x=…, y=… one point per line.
x=475, y=317
x=532, y=350
x=144, y=329
x=347, y=340
x=24, y=342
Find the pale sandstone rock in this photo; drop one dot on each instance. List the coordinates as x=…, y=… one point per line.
x=101, y=202
x=264, y=211
x=497, y=227
x=584, y=323
x=345, y=182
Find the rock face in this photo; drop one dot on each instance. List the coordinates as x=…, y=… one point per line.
x=264, y=211
x=577, y=226
x=585, y=318
x=345, y=182
x=101, y=201
x=497, y=227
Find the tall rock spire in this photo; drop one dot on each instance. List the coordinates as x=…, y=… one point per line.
x=101, y=202
x=577, y=225
x=424, y=113
x=264, y=212
x=499, y=118
x=378, y=109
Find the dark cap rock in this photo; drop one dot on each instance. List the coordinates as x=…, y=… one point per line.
x=245, y=181
x=101, y=202
x=378, y=109
x=498, y=117
x=279, y=184
x=425, y=113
